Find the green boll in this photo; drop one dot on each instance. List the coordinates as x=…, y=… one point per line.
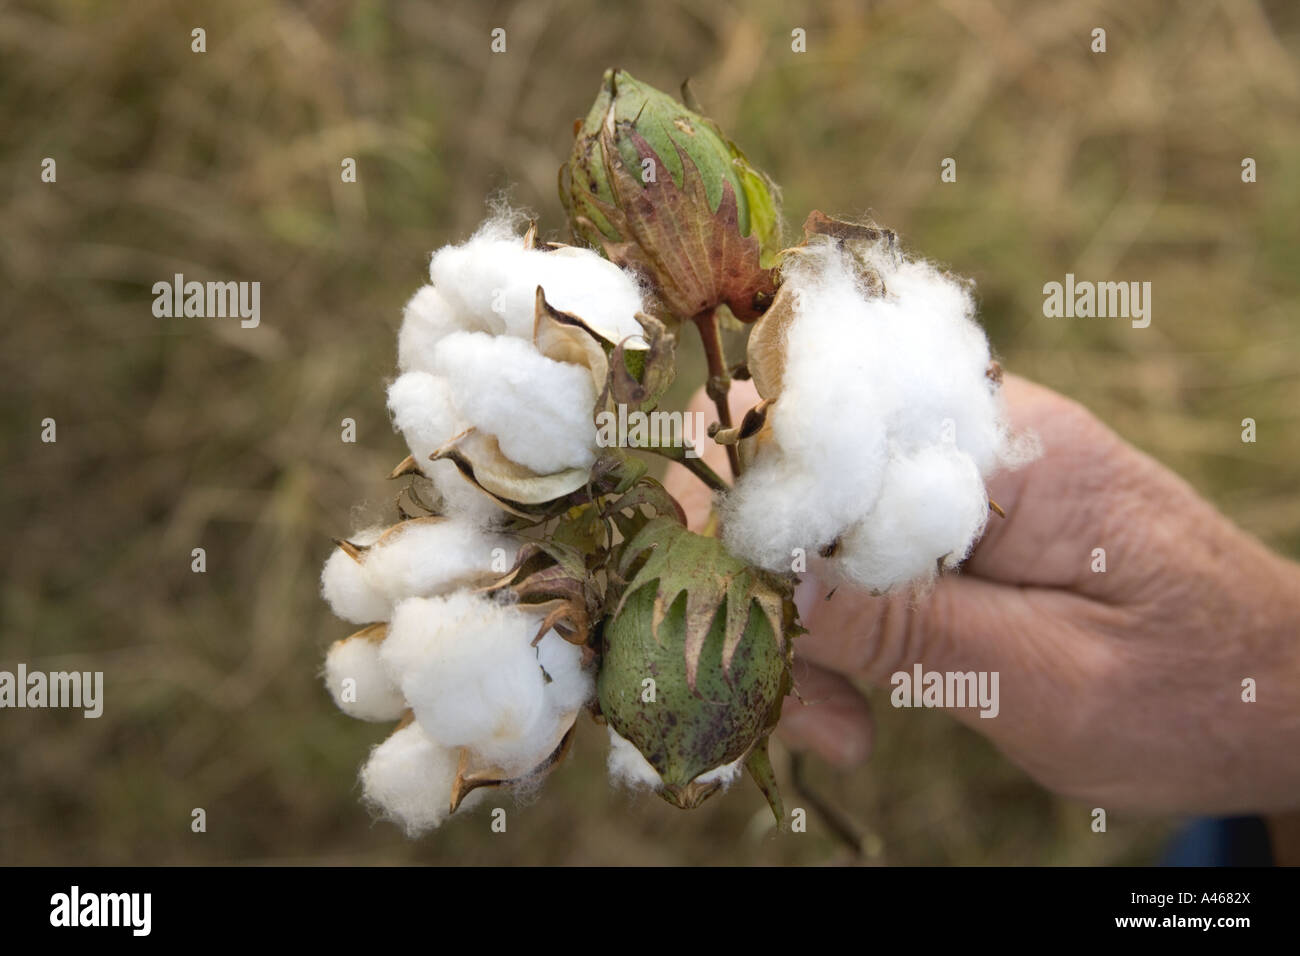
x=659, y=189
x=720, y=673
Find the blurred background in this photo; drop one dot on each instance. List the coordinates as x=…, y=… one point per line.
x=182, y=433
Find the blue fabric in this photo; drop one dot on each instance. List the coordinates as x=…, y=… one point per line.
x=1220, y=841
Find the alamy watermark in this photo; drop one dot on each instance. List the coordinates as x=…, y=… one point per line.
x=1085, y=300
x=956, y=689
x=208, y=300
x=75, y=908
x=637, y=429
x=76, y=689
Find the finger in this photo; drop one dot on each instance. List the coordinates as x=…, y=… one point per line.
x=832, y=719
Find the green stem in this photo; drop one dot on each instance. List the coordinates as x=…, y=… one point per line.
x=719, y=382
x=692, y=463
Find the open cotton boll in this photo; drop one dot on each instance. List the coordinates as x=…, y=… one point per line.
x=468, y=669
x=426, y=319
x=427, y=556
x=350, y=594
x=932, y=508
x=883, y=419
x=627, y=766
x=424, y=413
x=408, y=779
x=358, y=681
x=541, y=411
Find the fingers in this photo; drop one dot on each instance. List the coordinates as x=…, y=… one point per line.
x=833, y=719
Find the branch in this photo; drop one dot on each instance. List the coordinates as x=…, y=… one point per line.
x=719, y=383
x=692, y=463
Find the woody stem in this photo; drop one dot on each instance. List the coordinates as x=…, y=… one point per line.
x=719, y=382
x=692, y=463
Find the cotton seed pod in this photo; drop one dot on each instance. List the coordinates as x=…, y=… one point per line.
x=660, y=190
x=567, y=339
x=712, y=636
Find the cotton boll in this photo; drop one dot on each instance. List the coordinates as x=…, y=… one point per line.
x=628, y=767
x=428, y=556
x=371, y=695
x=466, y=666
x=932, y=508
x=883, y=420
x=346, y=588
x=408, y=779
x=541, y=411
x=426, y=320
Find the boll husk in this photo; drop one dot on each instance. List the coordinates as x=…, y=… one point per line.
x=659, y=189
x=696, y=665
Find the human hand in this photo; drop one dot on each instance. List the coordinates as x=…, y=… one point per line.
x=1120, y=687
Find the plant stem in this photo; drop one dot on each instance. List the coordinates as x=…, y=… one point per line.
x=695, y=465
x=719, y=382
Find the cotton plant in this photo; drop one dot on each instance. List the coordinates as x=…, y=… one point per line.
x=536, y=572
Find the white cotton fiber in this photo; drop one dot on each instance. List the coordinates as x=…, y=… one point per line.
x=370, y=695
x=884, y=427
x=350, y=594
x=467, y=667
x=493, y=280
x=571, y=684
x=417, y=558
x=628, y=767
x=581, y=282
x=726, y=775
x=541, y=411
x=426, y=319
x=430, y=556
x=774, y=510
x=408, y=779
x=933, y=507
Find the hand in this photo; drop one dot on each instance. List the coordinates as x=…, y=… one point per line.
x=1122, y=688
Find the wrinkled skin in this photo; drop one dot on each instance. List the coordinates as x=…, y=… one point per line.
x=1123, y=688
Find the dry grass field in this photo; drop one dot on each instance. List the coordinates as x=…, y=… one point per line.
x=183, y=433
